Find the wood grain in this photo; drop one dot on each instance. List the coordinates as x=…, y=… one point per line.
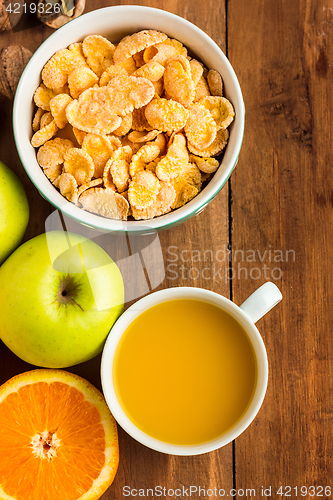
x=143, y=468
x=195, y=254
x=280, y=229
x=282, y=200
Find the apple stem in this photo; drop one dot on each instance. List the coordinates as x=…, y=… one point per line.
x=67, y=291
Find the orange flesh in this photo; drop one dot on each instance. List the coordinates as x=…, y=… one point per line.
x=68, y=461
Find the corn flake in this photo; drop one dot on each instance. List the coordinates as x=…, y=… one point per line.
x=114, y=141
x=152, y=70
x=53, y=173
x=62, y=90
x=92, y=112
x=82, y=78
x=135, y=146
x=220, y=109
x=46, y=119
x=37, y=118
x=129, y=65
x=119, y=167
x=193, y=175
x=125, y=195
x=68, y=187
x=159, y=87
x=187, y=186
x=144, y=155
x=133, y=44
x=143, y=136
x=185, y=192
x=135, y=93
x=215, y=83
x=56, y=70
x=105, y=202
x=88, y=185
x=97, y=109
x=151, y=166
x=107, y=178
x=166, y=115
x=143, y=189
x=176, y=160
x=206, y=165
x=200, y=128
x=216, y=146
x=196, y=71
x=99, y=148
x=178, y=82
x=79, y=135
x=159, y=53
x=162, y=205
x=177, y=147
x=98, y=52
x=161, y=142
x=42, y=97
x=51, y=154
x=58, y=105
x=125, y=126
x=177, y=45
x=201, y=90
x=77, y=49
x=44, y=134
x=79, y=164
x=114, y=71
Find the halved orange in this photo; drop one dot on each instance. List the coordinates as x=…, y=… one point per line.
x=58, y=439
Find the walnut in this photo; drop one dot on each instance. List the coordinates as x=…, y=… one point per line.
x=9, y=18
x=13, y=60
x=69, y=9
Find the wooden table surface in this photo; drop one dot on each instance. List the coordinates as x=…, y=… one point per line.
x=276, y=216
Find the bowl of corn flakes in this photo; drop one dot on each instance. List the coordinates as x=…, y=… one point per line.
x=129, y=118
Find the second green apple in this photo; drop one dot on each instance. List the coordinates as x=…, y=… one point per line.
x=60, y=294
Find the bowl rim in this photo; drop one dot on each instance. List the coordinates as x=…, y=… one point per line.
x=176, y=293
x=94, y=221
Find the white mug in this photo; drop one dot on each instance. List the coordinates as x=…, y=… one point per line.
x=258, y=304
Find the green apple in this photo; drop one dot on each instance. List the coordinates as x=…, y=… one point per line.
x=60, y=294
x=14, y=212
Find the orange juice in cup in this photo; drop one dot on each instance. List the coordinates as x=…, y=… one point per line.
x=184, y=370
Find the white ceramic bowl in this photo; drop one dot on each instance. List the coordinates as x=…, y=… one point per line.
x=258, y=304
x=114, y=23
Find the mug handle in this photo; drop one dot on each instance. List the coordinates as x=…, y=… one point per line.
x=261, y=301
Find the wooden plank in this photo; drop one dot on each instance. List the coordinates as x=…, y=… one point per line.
x=39, y=208
x=141, y=467
x=199, y=247
x=282, y=201
x=30, y=38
